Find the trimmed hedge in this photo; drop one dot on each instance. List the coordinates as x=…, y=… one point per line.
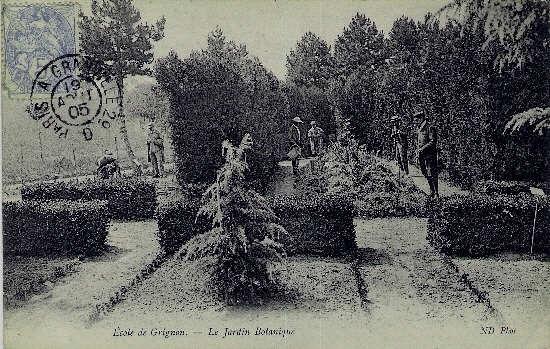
x=501, y=187
x=316, y=224
x=35, y=228
x=481, y=224
x=176, y=224
x=128, y=198
x=382, y=205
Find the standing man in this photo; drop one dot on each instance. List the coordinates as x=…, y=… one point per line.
x=401, y=144
x=295, y=140
x=155, y=151
x=427, y=152
x=315, y=136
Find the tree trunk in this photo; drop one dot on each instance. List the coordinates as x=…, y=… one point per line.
x=136, y=167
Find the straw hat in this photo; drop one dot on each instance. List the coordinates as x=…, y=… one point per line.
x=298, y=120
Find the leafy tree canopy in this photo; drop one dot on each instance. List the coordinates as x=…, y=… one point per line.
x=360, y=44
x=520, y=27
x=148, y=102
x=310, y=64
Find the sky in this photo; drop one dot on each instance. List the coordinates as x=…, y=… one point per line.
x=269, y=28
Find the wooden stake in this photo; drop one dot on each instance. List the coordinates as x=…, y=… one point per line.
x=534, y=222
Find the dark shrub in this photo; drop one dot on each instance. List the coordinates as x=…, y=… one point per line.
x=481, y=224
x=176, y=223
x=501, y=188
x=316, y=224
x=224, y=98
x=128, y=198
x=381, y=205
x=33, y=228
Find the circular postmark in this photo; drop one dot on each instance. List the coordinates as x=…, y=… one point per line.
x=62, y=99
x=75, y=101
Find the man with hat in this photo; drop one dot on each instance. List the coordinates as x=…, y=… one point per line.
x=401, y=144
x=155, y=150
x=107, y=165
x=295, y=138
x=427, y=151
x=315, y=136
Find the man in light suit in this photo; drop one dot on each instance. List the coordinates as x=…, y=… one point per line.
x=155, y=150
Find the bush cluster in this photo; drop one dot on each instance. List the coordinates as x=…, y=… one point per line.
x=481, y=224
x=178, y=222
x=54, y=227
x=501, y=187
x=317, y=224
x=128, y=198
x=348, y=170
x=396, y=204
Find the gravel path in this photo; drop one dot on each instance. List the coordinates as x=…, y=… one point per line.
x=68, y=305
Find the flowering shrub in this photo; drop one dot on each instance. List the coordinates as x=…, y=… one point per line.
x=33, y=228
x=367, y=181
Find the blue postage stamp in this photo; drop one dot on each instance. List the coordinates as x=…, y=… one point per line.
x=34, y=35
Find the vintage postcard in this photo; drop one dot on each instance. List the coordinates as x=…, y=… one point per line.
x=275, y=174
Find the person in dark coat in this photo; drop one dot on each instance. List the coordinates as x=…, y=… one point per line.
x=427, y=152
x=107, y=165
x=295, y=138
x=401, y=144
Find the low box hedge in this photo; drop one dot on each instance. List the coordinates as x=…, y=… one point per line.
x=37, y=228
x=501, y=187
x=176, y=223
x=129, y=198
x=316, y=224
x=481, y=224
x=382, y=205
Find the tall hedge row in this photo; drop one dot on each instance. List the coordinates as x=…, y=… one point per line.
x=221, y=94
x=481, y=224
x=128, y=198
x=36, y=228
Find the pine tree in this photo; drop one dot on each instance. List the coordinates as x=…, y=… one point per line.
x=115, y=45
x=310, y=64
x=359, y=45
x=244, y=231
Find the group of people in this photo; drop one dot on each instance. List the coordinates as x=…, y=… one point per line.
x=426, y=146
x=108, y=165
x=315, y=136
x=426, y=151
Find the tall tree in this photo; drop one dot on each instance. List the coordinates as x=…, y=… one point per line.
x=521, y=29
x=360, y=44
x=226, y=93
x=310, y=64
x=115, y=45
